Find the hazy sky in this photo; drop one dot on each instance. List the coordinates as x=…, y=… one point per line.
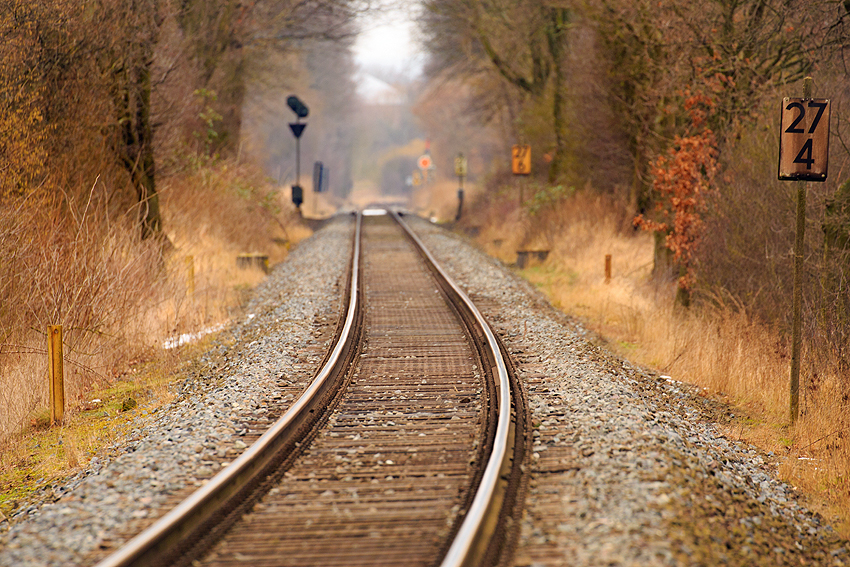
x=388, y=41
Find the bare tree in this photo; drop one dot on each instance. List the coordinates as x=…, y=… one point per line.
x=126, y=58
x=525, y=43
x=227, y=37
x=732, y=50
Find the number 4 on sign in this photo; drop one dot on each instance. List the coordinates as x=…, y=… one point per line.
x=521, y=160
x=804, y=139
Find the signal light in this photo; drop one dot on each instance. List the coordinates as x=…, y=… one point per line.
x=299, y=108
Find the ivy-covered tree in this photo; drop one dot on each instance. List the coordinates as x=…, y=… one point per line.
x=683, y=184
x=733, y=52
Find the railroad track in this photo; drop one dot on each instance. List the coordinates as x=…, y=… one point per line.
x=406, y=449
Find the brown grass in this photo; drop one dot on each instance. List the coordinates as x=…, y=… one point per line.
x=118, y=299
x=715, y=345
x=38, y=456
x=438, y=199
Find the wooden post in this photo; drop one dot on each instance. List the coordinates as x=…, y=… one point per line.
x=56, y=373
x=607, y=268
x=520, y=192
x=797, y=316
x=190, y=276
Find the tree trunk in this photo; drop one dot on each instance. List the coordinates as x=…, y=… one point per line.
x=836, y=270
x=213, y=30
x=662, y=266
x=683, y=294
x=137, y=152
x=556, y=35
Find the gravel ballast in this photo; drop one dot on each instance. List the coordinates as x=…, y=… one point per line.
x=626, y=468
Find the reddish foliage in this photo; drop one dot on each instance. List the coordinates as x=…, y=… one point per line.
x=682, y=182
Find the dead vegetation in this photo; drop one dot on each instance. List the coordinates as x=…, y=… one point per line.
x=119, y=299
x=125, y=192
x=717, y=345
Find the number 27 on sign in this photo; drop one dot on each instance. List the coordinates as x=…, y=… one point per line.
x=521, y=160
x=804, y=139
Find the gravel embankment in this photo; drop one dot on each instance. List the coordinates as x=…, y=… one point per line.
x=628, y=468
x=260, y=364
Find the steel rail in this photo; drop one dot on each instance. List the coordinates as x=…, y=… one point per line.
x=467, y=540
x=150, y=544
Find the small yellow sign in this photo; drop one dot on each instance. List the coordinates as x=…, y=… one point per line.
x=460, y=165
x=521, y=160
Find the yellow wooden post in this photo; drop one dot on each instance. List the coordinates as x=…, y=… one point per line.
x=56, y=373
x=607, y=268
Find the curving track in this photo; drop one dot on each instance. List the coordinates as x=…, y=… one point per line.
x=409, y=453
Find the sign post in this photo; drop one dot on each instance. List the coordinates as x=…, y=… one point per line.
x=424, y=163
x=521, y=160
x=319, y=182
x=803, y=157
x=521, y=165
x=460, y=170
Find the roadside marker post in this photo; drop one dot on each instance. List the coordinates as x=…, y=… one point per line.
x=803, y=157
x=56, y=373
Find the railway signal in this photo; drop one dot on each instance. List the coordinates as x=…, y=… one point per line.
x=318, y=177
x=297, y=195
x=299, y=108
x=301, y=111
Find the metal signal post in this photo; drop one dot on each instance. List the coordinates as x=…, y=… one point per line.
x=301, y=111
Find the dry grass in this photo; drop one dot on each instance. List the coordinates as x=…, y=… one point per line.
x=118, y=299
x=32, y=460
x=68, y=268
x=715, y=346
x=211, y=216
x=438, y=199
